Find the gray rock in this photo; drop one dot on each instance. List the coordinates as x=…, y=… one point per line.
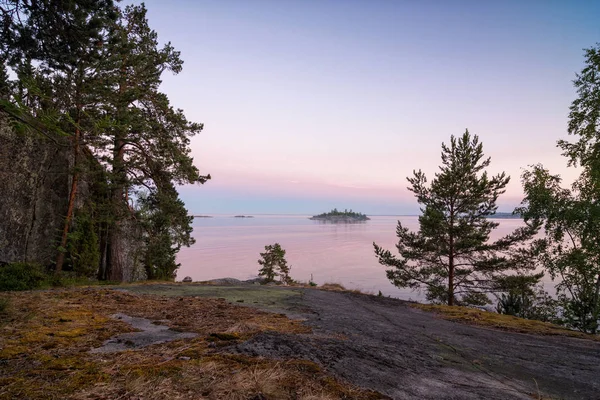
x=254, y=281
x=225, y=281
x=34, y=184
x=149, y=332
x=187, y=279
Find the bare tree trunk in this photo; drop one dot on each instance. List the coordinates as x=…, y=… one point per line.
x=451, y=259
x=72, y=196
x=451, y=278
x=115, y=253
x=595, y=309
x=115, y=240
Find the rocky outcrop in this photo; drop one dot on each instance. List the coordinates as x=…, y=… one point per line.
x=130, y=250
x=34, y=187
x=35, y=183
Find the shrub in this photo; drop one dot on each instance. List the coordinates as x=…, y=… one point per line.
x=83, y=246
x=21, y=276
x=534, y=303
x=333, y=286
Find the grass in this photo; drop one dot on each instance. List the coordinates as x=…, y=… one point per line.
x=338, y=287
x=474, y=316
x=264, y=297
x=45, y=338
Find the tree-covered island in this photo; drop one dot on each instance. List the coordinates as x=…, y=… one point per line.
x=336, y=216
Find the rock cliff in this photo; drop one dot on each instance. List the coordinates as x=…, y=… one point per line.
x=34, y=187
x=35, y=182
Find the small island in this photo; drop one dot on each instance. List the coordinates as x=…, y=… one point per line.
x=335, y=216
x=243, y=216
x=505, y=215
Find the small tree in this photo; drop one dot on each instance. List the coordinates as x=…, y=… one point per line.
x=274, y=264
x=451, y=256
x=570, y=250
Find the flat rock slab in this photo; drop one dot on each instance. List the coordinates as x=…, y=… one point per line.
x=405, y=353
x=149, y=333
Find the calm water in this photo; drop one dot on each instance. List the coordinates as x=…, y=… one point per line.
x=341, y=253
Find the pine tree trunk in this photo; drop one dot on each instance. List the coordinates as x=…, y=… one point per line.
x=595, y=306
x=103, y=268
x=60, y=259
x=451, y=258
x=115, y=253
x=115, y=240
x=451, y=278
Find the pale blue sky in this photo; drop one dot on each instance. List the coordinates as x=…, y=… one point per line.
x=309, y=105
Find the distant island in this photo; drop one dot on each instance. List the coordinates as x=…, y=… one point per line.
x=340, y=216
x=505, y=215
x=243, y=216
x=202, y=216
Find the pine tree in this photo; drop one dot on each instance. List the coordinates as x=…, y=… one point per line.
x=274, y=264
x=451, y=256
x=64, y=40
x=88, y=79
x=167, y=228
x=146, y=138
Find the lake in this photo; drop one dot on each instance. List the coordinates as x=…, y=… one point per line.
x=340, y=253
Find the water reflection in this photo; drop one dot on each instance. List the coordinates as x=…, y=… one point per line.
x=342, y=252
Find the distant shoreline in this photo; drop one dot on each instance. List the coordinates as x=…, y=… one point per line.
x=495, y=216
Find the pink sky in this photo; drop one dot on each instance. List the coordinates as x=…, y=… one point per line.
x=311, y=104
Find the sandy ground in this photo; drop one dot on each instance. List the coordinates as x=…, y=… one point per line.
x=385, y=345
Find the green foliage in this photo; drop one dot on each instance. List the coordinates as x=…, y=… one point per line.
x=87, y=78
x=511, y=303
x=451, y=256
x=524, y=297
x=274, y=264
x=152, y=137
x=570, y=250
x=167, y=227
x=83, y=246
x=21, y=276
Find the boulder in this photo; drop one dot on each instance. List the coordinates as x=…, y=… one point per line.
x=224, y=281
x=187, y=279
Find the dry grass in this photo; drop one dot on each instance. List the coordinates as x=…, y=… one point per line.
x=338, y=287
x=45, y=338
x=500, y=321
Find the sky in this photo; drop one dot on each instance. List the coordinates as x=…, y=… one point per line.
x=314, y=104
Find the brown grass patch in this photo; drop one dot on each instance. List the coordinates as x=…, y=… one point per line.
x=474, y=316
x=45, y=338
x=338, y=287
